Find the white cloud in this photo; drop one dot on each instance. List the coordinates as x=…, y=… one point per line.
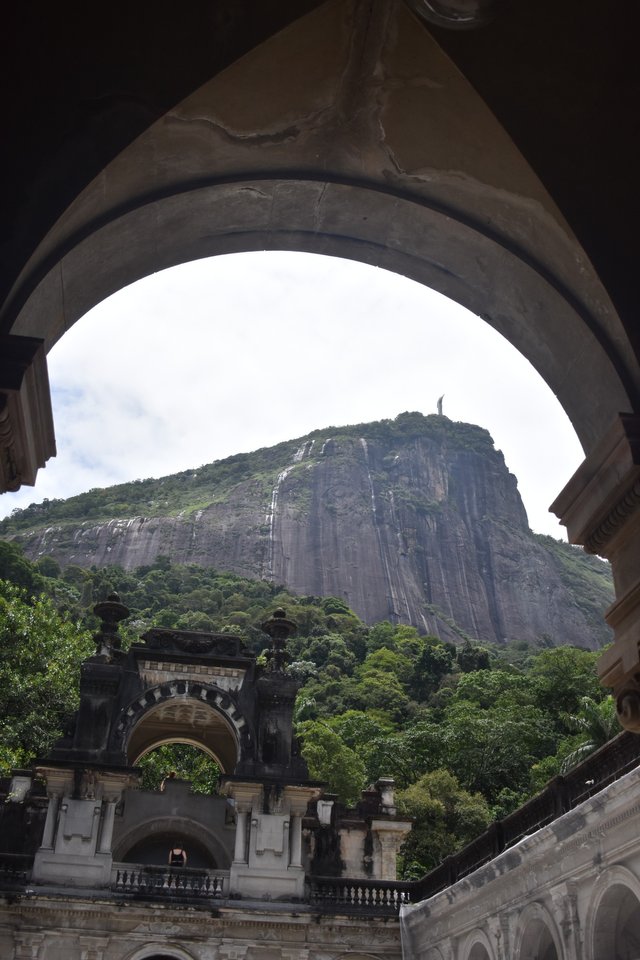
x=226, y=355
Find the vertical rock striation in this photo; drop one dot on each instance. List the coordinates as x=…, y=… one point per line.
x=415, y=520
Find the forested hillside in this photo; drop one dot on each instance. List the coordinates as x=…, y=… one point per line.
x=468, y=732
x=416, y=520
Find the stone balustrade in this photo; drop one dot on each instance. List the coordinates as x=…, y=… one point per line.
x=151, y=882
x=379, y=897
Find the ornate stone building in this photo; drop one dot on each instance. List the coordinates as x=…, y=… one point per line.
x=94, y=867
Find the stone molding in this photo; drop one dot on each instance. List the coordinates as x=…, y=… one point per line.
x=26, y=421
x=605, y=490
x=600, y=507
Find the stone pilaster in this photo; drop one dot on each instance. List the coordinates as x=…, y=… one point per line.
x=93, y=948
x=28, y=946
x=76, y=843
x=267, y=861
x=600, y=507
x=388, y=837
x=296, y=799
x=59, y=784
x=564, y=899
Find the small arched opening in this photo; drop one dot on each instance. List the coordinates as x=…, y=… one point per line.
x=479, y=952
x=477, y=947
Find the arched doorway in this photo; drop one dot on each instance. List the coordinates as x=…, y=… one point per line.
x=617, y=925
x=479, y=952
x=537, y=938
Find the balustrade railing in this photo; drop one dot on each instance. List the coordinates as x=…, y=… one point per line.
x=149, y=882
x=561, y=794
x=15, y=869
x=378, y=897
x=371, y=896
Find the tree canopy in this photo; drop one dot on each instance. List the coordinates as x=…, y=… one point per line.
x=467, y=733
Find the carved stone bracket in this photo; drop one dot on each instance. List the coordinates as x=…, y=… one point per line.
x=28, y=946
x=600, y=507
x=26, y=422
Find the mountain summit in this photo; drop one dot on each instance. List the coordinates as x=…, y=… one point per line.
x=415, y=520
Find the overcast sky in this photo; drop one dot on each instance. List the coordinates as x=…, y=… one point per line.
x=226, y=355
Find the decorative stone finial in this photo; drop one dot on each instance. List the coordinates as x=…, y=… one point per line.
x=111, y=612
x=279, y=628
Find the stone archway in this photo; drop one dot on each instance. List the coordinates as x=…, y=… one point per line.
x=613, y=919
x=426, y=184
x=159, y=832
x=351, y=132
x=477, y=947
x=537, y=937
x=617, y=925
x=198, y=717
x=160, y=951
x=437, y=247
x=479, y=952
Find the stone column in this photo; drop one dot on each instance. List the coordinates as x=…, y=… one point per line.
x=59, y=783
x=296, y=840
x=389, y=835
x=106, y=834
x=240, y=852
x=48, y=835
x=564, y=899
x=297, y=798
x=600, y=507
x=247, y=798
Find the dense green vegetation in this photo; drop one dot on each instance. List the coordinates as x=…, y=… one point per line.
x=467, y=732
x=193, y=489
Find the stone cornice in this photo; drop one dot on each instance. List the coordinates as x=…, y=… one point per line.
x=605, y=490
x=245, y=916
x=598, y=540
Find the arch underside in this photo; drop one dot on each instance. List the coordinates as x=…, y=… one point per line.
x=617, y=924
x=185, y=720
x=516, y=296
x=538, y=937
x=426, y=183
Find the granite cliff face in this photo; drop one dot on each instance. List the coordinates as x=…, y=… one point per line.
x=415, y=520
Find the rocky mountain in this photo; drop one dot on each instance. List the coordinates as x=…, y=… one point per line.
x=415, y=520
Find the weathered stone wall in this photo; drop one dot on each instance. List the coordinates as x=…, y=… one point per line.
x=44, y=927
x=571, y=891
